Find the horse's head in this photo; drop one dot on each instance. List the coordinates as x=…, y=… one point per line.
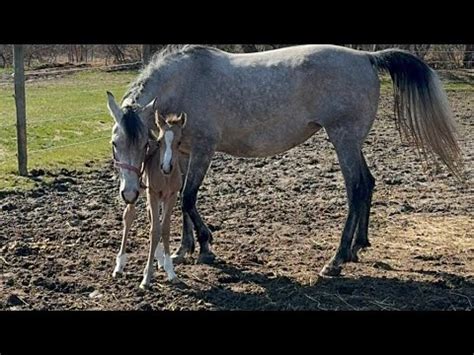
x=171, y=128
x=129, y=145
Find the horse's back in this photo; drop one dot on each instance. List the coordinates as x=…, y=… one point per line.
x=312, y=78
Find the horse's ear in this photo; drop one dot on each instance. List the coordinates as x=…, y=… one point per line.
x=155, y=104
x=183, y=118
x=147, y=112
x=114, y=109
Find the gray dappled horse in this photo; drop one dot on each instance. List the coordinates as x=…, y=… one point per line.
x=262, y=104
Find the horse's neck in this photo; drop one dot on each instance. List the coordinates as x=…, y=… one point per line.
x=161, y=83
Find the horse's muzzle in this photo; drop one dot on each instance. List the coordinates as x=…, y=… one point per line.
x=130, y=197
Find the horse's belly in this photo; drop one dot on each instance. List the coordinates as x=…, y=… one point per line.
x=266, y=142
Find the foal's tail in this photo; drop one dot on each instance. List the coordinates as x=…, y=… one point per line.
x=421, y=106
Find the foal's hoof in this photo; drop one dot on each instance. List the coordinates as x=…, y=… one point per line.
x=206, y=258
x=330, y=270
x=144, y=286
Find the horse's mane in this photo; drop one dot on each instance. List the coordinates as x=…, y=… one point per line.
x=167, y=55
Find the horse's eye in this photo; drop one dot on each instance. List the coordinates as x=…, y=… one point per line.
x=114, y=144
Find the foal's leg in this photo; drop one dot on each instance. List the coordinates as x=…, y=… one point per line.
x=351, y=162
x=187, y=237
x=201, y=161
x=154, y=206
x=128, y=216
x=165, y=236
x=361, y=239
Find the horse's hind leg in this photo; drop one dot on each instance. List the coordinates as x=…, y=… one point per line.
x=350, y=157
x=361, y=239
x=128, y=217
x=187, y=237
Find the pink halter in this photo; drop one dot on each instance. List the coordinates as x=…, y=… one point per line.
x=139, y=172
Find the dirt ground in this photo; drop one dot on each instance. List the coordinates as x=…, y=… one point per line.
x=275, y=222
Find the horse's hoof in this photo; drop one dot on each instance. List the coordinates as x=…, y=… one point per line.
x=206, y=258
x=117, y=274
x=356, y=248
x=175, y=281
x=178, y=259
x=354, y=257
x=330, y=271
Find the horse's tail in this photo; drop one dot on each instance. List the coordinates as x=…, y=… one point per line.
x=421, y=107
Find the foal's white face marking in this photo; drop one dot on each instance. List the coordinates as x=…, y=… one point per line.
x=169, y=136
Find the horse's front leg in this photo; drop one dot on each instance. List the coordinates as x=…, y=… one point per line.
x=168, y=205
x=201, y=160
x=187, y=237
x=155, y=231
x=128, y=218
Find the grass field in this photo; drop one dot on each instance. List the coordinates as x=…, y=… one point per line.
x=68, y=122
x=69, y=111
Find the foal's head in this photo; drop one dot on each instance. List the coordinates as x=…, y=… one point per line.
x=171, y=127
x=130, y=144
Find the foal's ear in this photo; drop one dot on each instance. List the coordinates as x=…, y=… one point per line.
x=114, y=109
x=183, y=118
x=160, y=120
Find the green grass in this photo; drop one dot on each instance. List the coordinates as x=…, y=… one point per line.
x=64, y=111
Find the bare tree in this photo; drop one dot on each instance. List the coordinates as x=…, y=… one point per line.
x=421, y=50
x=468, y=60
x=117, y=52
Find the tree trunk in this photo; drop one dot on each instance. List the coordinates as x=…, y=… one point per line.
x=146, y=53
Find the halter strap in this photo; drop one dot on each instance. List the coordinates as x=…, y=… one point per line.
x=128, y=167
x=148, y=154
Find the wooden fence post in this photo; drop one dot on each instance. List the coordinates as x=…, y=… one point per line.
x=18, y=57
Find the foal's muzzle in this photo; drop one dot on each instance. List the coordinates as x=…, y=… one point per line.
x=167, y=171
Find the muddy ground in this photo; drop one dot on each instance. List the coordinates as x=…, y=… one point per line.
x=275, y=222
